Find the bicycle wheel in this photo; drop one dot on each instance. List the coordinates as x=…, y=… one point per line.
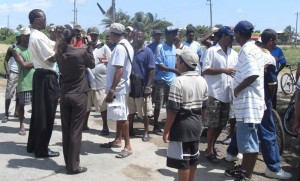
x=287, y=84
x=288, y=120
x=279, y=131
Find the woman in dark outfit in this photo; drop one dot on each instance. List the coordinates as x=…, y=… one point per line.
x=72, y=63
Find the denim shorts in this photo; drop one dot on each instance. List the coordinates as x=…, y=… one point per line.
x=247, y=139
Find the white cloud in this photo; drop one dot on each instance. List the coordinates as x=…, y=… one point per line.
x=25, y=6
x=240, y=10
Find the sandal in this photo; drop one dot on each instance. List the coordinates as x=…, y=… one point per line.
x=110, y=145
x=123, y=154
x=4, y=119
x=22, y=132
x=212, y=158
x=217, y=152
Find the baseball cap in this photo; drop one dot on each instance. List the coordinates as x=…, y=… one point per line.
x=129, y=28
x=244, y=26
x=77, y=27
x=25, y=31
x=156, y=32
x=93, y=30
x=52, y=28
x=117, y=28
x=225, y=30
x=189, y=56
x=171, y=29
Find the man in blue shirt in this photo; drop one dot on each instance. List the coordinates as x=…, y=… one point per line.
x=143, y=64
x=156, y=40
x=277, y=53
x=165, y=72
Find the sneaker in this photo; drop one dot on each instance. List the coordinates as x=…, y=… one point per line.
x=4, y=119
x=158, y=132
x=234, y=172
x=279, y=175
x=231, y=158
x=227, y=141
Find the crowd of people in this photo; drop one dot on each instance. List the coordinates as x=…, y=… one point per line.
x=124, y=77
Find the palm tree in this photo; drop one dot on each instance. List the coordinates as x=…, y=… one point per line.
x=121, y=17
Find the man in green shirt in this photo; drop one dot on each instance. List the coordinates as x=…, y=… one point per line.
x=26, y=70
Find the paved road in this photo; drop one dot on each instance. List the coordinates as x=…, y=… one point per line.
x=146, y=164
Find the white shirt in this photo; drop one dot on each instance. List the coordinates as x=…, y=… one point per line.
x=119, y=57
x=249, y=105
x=41, y=48
x=220, y=85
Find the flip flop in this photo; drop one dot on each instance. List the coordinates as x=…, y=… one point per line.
x=123, y=154
x=22, y=132
x=217, y=152
x=110, y=145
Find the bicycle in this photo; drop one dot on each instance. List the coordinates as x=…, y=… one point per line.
x=289, y=118
x=280, y=139
x=288, y=81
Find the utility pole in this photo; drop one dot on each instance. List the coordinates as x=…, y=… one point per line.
x=296, y=39
x=8, y=21
x=210, y=7
x=113, y=5
x=75, y=14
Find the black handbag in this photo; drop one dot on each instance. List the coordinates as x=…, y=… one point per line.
x=136, y=83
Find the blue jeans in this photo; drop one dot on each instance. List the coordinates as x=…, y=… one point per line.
x=267, y=136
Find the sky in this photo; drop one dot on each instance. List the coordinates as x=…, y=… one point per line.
x=275, y=14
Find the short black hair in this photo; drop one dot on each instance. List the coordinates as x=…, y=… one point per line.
x=188, y=31
x=34, y=14
x=267, y=35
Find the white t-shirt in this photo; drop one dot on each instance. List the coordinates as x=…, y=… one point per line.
x=249, y=105
x=220, y=85
x=41, y=48
x=119, y=57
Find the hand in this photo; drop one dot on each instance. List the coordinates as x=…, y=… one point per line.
x=296, y=127
x=7, y=76
x=177, y=72
x=166, y=136
x=230, y=71
x=236, y=92
x=147, y=91
x=88, y=38
x=110, y=96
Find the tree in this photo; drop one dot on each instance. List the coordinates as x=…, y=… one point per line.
x=288, y=34
x=121, y=17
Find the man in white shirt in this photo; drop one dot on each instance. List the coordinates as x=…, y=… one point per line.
x=218, y=69
x=45, y=90
x=117, y=88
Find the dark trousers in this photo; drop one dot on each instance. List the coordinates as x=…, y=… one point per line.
x=45, y=93
x=73, y=110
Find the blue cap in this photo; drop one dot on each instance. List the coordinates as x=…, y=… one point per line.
x=225, y=30
x=244, y=26
x=171, y=29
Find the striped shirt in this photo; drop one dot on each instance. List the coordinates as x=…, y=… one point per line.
x=186, y=96
x=249, y=105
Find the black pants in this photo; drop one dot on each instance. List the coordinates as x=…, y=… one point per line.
x=73, y=110
x=45, y=93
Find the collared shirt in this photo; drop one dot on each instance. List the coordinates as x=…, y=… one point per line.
x=187, y=93
x=195, y=46
x=220, y=85
x=166, y=56
x=249, y=105
x=143, y=60
x=119, y=57
x=41, y=48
